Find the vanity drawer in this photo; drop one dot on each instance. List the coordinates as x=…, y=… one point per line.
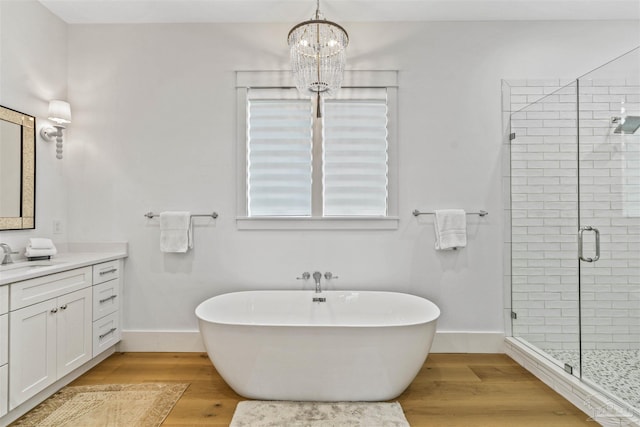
x=106, y=271
x=32, y=291
x=106, y=298
x=4, y=339
x=4, y=299
x=106, y=332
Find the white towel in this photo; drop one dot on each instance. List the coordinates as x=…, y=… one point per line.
x=175, y=232
x=451, y=228
x=40, y=243
x=33, y=252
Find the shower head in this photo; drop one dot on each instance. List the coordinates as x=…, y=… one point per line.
x=629, y=126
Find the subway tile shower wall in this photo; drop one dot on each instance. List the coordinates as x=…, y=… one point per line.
x=544, y=197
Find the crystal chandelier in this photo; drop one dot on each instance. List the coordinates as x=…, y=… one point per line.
x=318, y=55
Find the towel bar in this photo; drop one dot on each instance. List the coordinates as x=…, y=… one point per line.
x=481, y=213
x=213, y=215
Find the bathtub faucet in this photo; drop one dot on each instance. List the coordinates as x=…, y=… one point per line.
x=316, y=277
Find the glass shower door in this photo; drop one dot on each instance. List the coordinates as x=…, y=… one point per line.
x=609, y=228
x=544, y=219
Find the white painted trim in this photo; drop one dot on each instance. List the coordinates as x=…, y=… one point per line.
x=283, y=79
x=190, y=341
x=317, y=223
x=351, y=78
x=597, y=406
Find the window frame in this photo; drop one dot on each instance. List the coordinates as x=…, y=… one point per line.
x=246, y=80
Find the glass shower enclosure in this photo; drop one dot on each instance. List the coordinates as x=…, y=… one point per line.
x=574, y=191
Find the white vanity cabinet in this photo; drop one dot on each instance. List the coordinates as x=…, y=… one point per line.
x=106, y=305
x=4, y=349
x=50, y=330
x=57, y=320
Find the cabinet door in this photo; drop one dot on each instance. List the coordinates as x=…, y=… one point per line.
x=74, y=330
x=32, y=350
x=4, y=390
x=4, y=339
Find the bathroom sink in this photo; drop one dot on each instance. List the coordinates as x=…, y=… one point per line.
x=24, y=266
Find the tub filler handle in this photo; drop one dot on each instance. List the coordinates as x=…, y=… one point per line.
x=305, y=276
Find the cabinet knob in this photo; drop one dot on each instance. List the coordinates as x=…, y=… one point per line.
x=54, y=310
x=64, y=307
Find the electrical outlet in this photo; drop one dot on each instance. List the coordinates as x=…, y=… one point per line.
x=57, y=226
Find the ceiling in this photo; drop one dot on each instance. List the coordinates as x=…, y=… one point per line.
x=203, y=11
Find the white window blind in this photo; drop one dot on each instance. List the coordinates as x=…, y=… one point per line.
x=355, y=160
x=279, y=154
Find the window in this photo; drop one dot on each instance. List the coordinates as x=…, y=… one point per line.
x=299, y=171
x=354, y=155
x=279, y=155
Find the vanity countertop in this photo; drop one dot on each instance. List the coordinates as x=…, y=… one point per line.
x=23, y=270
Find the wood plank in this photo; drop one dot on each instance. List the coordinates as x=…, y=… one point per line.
x=450, y=390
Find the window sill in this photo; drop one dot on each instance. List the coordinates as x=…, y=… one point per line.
x=327, y=223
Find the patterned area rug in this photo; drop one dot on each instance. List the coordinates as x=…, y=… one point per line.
x=140, y=405
x=318, y=414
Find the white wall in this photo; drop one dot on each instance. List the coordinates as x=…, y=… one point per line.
x=154, y=129
x=33, y=70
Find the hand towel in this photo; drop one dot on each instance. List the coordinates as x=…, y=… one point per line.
x=451, y=228
x=175, y=232
x=40, y=243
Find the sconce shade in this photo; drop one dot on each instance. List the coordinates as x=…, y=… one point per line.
x=59, y=112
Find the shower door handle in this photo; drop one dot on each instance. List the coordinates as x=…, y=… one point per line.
x=580, y=233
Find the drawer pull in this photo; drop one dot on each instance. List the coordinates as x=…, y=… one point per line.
x=102, y=301
x=112, y=330
x=63, y=307
x=112, y=270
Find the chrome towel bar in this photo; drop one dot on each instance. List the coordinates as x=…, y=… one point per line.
x=213, y=215
x=481, y=213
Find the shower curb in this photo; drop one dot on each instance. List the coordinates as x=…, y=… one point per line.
x=597, y=406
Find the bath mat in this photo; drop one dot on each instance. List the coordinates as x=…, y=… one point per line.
x=140, y=405
x=318, y=414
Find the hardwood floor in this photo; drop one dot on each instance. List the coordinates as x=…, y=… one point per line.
x=450, y=390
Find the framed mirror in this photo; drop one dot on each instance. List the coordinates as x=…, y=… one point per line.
x=17, y=170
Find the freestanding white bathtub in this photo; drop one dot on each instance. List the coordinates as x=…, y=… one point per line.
x=355, y=346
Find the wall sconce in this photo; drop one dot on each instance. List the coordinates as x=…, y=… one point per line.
x=60, y=113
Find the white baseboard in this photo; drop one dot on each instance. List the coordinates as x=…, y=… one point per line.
x=468, y=342
x=161, y=341
x=596, y=405
x=190, y=341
